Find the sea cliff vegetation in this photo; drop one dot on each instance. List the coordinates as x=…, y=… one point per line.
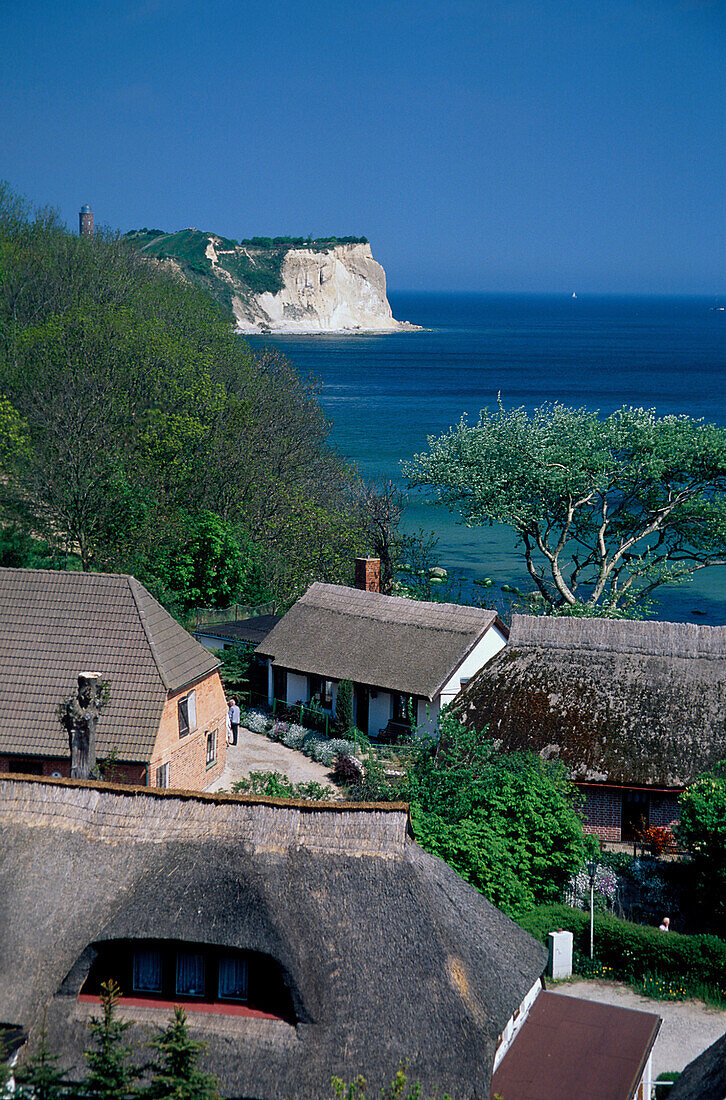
x=250, y=266
x=139, y=435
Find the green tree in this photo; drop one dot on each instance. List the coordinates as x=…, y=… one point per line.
x=110, y=1076
x=38, y=1076
x=175, y=1074
x=606, y=509
x=344, y=707
x=508, y=823
x=702, y=830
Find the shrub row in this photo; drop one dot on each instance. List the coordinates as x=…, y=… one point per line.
x=632, y=950
x=321, y=749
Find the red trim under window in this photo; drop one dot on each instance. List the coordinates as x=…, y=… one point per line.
x=188, y=1006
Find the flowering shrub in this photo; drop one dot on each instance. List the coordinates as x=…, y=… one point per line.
x=256, y=721
x=347, y=769
x=294, y=736
x=577, y=891
x=278, y=731
x=658, y=838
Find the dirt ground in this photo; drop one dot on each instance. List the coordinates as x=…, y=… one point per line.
x=256, y=753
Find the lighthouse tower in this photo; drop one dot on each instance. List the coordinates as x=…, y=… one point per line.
x=85, y=222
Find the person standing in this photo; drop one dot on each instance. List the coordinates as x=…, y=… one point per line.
x=665, y=926
x=234, y=716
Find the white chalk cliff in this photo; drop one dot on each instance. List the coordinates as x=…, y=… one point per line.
x=341, y=289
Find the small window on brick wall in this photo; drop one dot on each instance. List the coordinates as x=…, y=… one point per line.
x=162, y=776
x=211, y=748
x=187, y=709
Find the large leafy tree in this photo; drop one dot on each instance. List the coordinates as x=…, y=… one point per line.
x=508, y=823
x=606, y=508
x=702, y=830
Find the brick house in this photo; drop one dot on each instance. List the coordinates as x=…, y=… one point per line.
x=165, y=720
x=635, y=710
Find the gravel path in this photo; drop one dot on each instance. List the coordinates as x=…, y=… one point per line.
x=688, y=1026
x=256, y=753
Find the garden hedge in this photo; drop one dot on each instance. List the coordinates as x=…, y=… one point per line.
x=632, y=950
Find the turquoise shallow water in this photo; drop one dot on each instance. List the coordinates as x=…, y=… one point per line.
x=386, y=393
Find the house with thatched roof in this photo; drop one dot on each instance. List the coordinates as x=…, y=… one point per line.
x=303, y=939
x=634, y=710
x=164, y=723
x=404, y=657
x=705, y=1077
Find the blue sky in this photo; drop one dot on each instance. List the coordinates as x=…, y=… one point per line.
x=513, y=145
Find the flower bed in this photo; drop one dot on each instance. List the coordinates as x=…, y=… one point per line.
x=294, y=736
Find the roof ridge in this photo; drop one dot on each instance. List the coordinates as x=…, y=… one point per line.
x=132, y=582
x=75, y=573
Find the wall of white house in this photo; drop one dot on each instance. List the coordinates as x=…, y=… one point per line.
x=515, y=1022
x=481, y=654
x=298, y=690
x=427, y=715
x=380, y=709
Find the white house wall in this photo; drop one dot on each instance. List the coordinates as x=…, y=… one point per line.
x=380, y=709
x=427, y=715
x=297, y=688
x=480, y=655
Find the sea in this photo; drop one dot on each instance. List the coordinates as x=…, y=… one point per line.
x=386, y=393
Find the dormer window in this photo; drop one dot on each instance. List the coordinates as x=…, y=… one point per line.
x=147, y=971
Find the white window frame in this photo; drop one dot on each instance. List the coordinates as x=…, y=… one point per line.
x=163, y=773
x=212, y=735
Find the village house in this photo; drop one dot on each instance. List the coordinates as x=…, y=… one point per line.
x=634, y=710
x=304, y=939
x=164, y=724
x=406, y=658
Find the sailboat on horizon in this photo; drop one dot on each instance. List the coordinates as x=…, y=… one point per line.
x=573, y=294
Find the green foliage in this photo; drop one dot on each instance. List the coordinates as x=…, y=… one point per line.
x=18, y=550
x=138, y=434
x=235, y=668
x=634, y=952
x=400, y=1088
x=277, y=785
x=606, y=509
x=344, y=707
x=702, y=830
x=508, y=823
x=110, y=1076
x=38, y=1076
x=175, y=1073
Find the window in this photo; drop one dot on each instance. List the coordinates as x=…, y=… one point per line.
x=162, y=776
x=321, y=691
x=211, y=748
x=401, y=706
x=147, y=971
x=190, y=974
x=232, y=978
x=187, y=709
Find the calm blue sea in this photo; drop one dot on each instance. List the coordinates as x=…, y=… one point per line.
x=385, y=394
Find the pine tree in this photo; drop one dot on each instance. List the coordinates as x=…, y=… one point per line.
x=38, y=1077
x=110, y=1077
x=175, y=1073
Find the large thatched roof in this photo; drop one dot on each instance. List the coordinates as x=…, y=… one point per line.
x=634, y=703
x=54, y=625
x=387, y=953
x=705, y=1077
x=388, y=642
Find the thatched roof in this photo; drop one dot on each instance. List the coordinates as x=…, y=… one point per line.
x=388, y=642
x=387, y=953
x=54, y=625
x=632, y=703
x=705, y=1077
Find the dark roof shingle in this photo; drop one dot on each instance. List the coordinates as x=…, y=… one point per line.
x=54, y=625
x=385, y=641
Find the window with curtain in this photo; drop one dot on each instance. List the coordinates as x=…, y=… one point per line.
x=211, y=748
x=190, y=974
x=147, y=971
x=233, y=978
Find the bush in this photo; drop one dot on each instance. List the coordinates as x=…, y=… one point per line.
x=344, y=707
x=347, y=769
x=277, y=785
x=294, y=737
x=256, y=721
x=634, y=951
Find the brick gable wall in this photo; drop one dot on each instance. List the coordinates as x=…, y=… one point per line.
x=187, y=756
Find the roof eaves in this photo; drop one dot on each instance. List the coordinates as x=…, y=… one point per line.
x=495, y=622
x=132, y=583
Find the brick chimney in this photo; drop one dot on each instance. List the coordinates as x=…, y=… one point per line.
x=368, y=574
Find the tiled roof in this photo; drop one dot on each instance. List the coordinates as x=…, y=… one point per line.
x=385, y=641
x=54, y=625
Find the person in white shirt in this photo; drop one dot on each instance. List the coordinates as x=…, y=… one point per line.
x=666, y=925
x=233, y=715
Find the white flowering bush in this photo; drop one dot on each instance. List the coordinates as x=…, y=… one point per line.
x=256, y=721
x=294, y=736
x=577, y=891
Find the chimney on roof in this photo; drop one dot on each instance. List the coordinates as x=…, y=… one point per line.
x=85, y=222
x=368, y=574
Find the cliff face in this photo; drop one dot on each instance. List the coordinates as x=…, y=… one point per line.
x=340, y=290
x=281, y=285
